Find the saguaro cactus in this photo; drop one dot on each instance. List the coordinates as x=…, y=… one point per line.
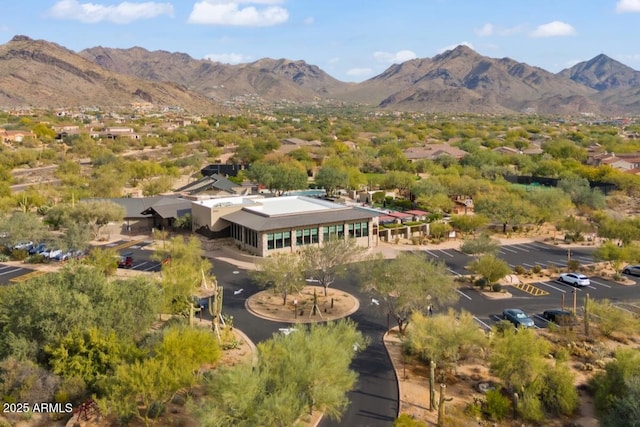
x=432, y=385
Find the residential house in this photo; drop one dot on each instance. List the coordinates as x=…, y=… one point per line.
x=433, y=151
x=213, y=185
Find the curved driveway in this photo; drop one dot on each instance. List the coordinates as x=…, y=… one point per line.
x=374, y=401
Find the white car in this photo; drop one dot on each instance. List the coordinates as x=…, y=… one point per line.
x=575, y=279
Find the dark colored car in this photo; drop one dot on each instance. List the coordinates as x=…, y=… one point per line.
x=126, y=260
x=38, y=249
x=518, y=317
x=560, y=317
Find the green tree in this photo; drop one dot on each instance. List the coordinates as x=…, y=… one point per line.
x=282, y=272
x=616, y=255
x=620, y=377
x=407, y=284
x=581, y=192
x=505, y=208
x=469, y=223
x=97, y=215
x=103, y=259
x=610, y=319
x=518, y=358
x=171, y=364
x=183, y=268
x=22, y=227
x=331, y=178
x=490, y=267
x=480, y=245
x=290, y=379
x=327, y=262
x=625, y=410
x=559, y=394
x=279, y=174
x=444, y=339
x=77, y=297
x=91, y=355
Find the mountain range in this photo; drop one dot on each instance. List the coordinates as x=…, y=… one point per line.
x=42, y=74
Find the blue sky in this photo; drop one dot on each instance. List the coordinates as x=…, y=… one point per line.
x=352, y=40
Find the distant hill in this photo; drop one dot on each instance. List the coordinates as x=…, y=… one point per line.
x=461, y=80
x=39, y=73
x=43, y=74
x=269, y=78
x=602, y=73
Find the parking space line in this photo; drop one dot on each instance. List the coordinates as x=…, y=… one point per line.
x=483, y=324
x=137, y=267
x=527, y=265
x=463, y=294
x=446, y=253
x=600, y=283
x=150, y=268
x=561, y=264
x=431, y=253
x=10, y=271
x=552, y=287
x=520, y=248
x=506, y=249
x=454, y=272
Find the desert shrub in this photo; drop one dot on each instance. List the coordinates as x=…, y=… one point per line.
x=4, y=258
x=406, y=420
x=531, y=408
x=536, y=269
x=518, y=269
x=19, y=254
x=497, y=405
x=559, y=395
x=481, y=283
x=496, y=287
x=573, y=265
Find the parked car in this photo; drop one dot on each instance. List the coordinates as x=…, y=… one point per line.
x=560, y=317
x=632, y=270
x=52, y=254
x=518, y=317
x=575, y=279
x=126, y=260
x=37, y=249
x=24, y=245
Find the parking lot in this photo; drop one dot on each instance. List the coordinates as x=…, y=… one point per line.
x=526, y=255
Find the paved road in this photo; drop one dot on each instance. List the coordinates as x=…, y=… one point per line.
x=375, y=398
x=374, y=401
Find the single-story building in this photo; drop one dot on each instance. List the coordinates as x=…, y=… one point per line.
x=263, y=226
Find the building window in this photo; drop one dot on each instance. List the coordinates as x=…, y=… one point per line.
x=307, y=236
x=278, y=240
x=340, y=231
x=364, y=227
x=350, y=228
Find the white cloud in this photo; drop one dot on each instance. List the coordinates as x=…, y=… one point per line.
x=624, y=6
x=359, y=72
x=486, y=30
x=394, y=58
x=552, y=29
x=232, y=12
x=310, y=20
x=122, y=13
x=491, y=30
x=228, y=58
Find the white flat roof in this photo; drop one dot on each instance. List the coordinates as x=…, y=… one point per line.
x=291, y=205
x=220, y=202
